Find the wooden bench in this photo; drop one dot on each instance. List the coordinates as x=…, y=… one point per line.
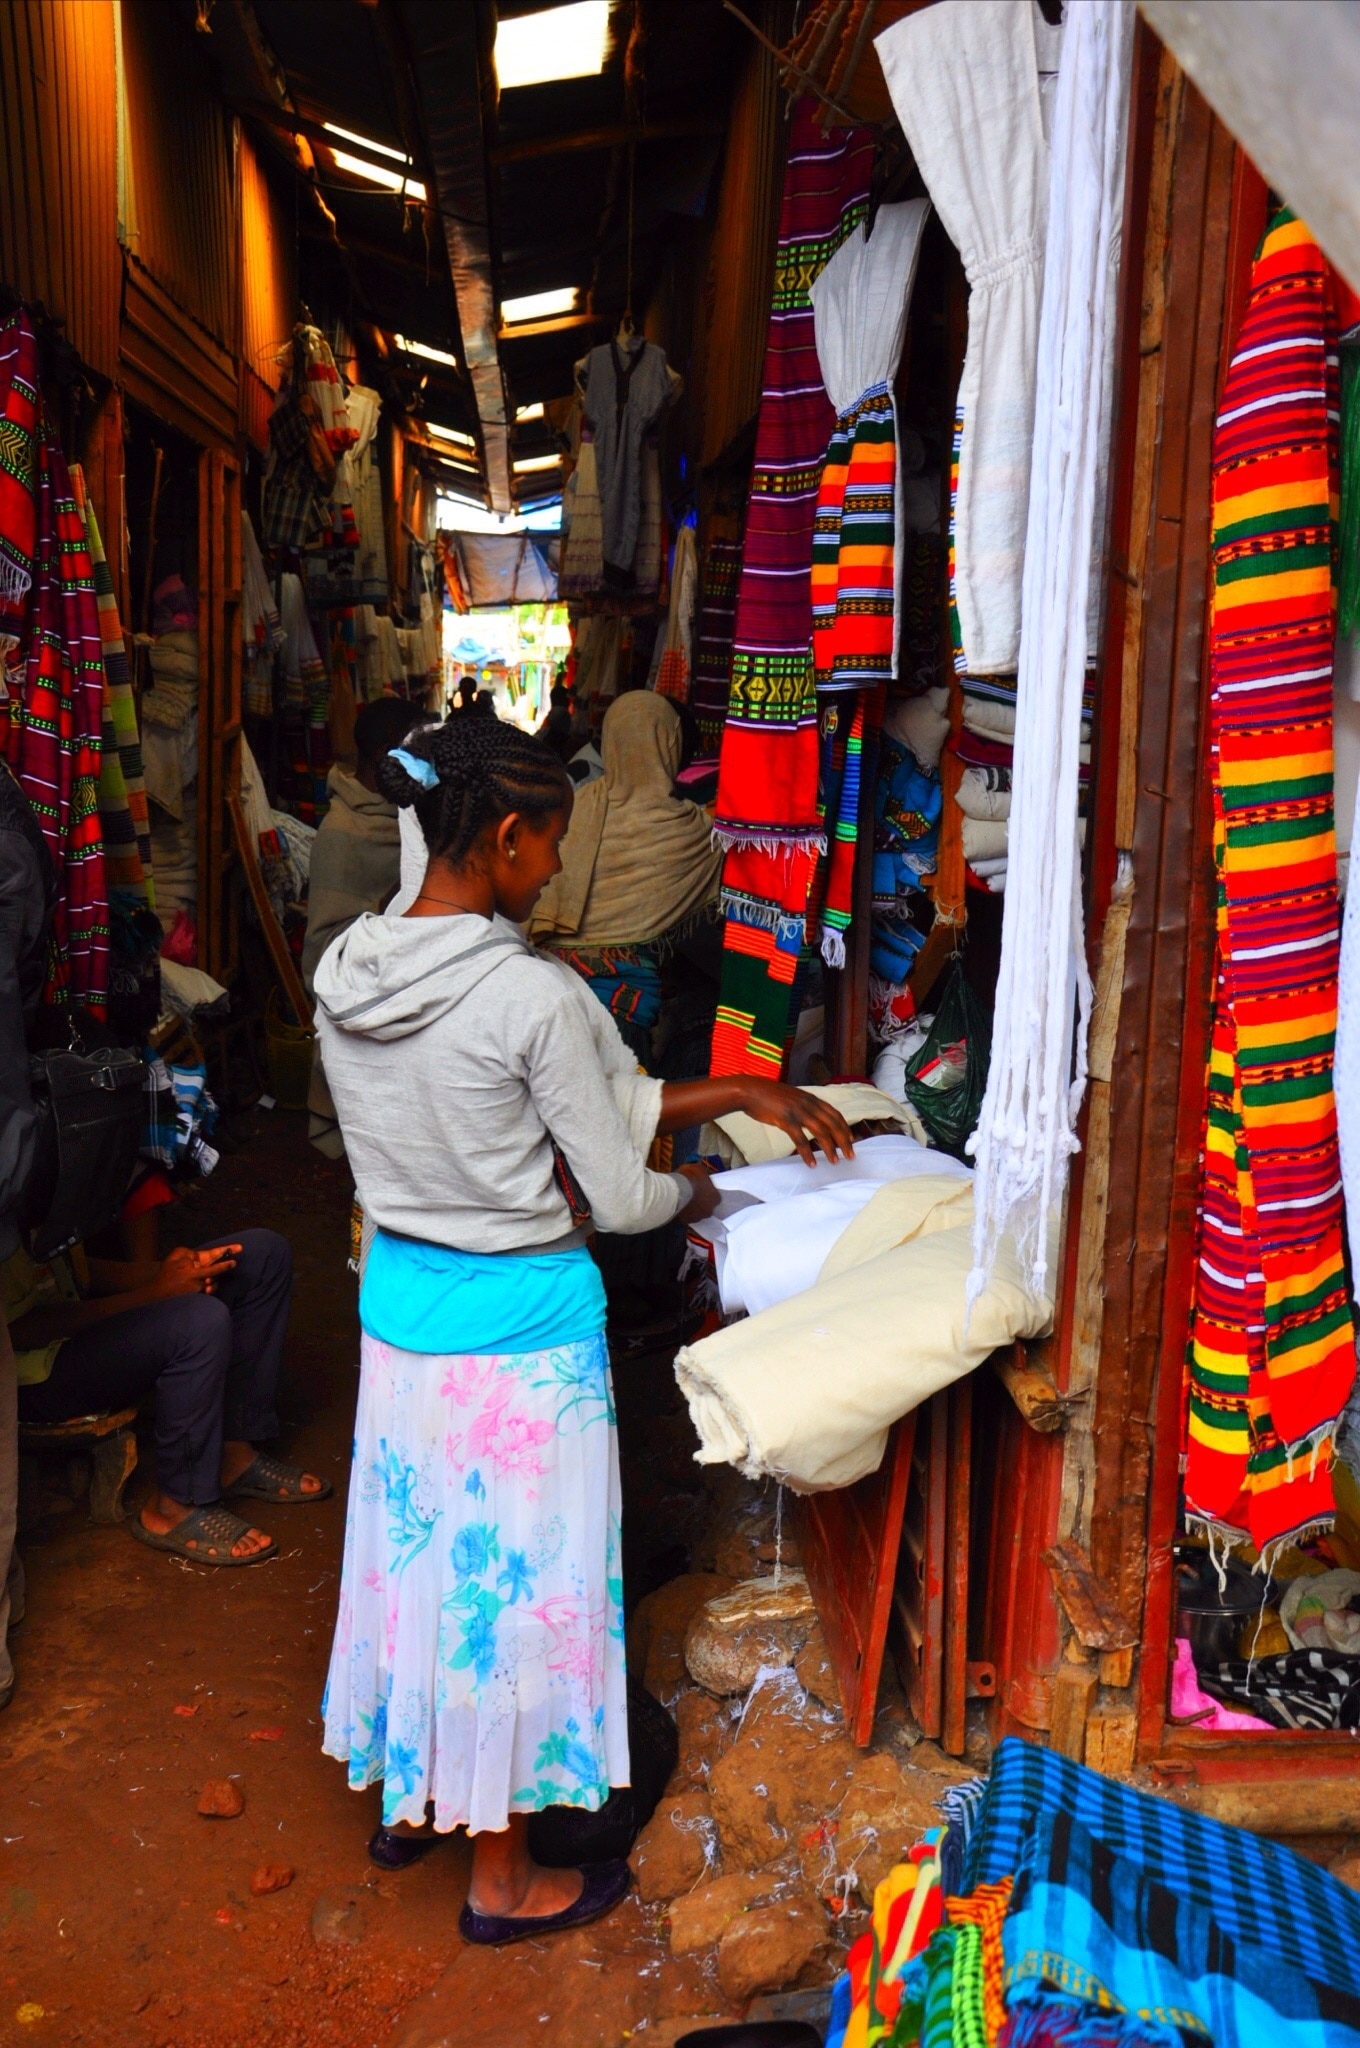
x=111, y=1442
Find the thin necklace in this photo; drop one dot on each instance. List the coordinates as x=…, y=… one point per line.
x=447, y=901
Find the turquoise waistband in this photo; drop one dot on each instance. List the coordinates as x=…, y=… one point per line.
x=428, y=1297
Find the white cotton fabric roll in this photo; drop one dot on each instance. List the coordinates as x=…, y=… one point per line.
x=982, y=715
x=921, y=725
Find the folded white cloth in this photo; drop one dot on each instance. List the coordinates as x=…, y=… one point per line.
x=775, y=1244
x=984, y=715
x=984, y=840
x=749, y=1142
x=807, y=1391
x=976, y=800
x=921, y=725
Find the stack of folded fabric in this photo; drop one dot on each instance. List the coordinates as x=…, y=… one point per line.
x=907, y=805
x=1060, y=1909
x=985, y=746
x=170, y=721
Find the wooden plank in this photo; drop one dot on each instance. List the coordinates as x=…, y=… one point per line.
x=1096, y=1621
x=284, y=966
x=953, y=1717
x=850, y=1554
x=1033, y=1389
x=1291, y=1804
x=1074, y=1691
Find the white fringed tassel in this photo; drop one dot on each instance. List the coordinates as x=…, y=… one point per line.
x=1025, y=1134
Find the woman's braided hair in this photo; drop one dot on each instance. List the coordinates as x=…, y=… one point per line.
x=486, y=769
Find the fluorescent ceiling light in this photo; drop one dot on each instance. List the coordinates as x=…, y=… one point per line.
x=423, y=348
x=539, y=305
x=536, y=462
x=529, y=412
x=450, y=434
x=365, y=142
x=560, y=42
x=378, y=174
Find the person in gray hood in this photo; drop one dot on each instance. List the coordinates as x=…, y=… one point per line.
x=492, y=1116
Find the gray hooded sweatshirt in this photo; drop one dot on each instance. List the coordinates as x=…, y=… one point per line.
x=456, y=1055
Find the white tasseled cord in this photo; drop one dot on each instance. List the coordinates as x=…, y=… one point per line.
x=1025, y=1132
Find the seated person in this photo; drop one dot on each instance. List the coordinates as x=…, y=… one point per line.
x=638, y=867
x=201, y=1329
x=356, y=855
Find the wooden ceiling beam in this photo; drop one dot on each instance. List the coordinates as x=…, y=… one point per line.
x=532, y=147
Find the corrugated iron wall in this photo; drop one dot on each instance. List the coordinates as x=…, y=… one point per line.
x=182, y=147
x=58, y=173
x=269, y=287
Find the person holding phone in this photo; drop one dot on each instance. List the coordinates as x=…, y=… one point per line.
x=202, y=1330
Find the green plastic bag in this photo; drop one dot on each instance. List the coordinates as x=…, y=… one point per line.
x=946, y=1077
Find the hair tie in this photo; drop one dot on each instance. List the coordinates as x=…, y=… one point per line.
x=421, y=771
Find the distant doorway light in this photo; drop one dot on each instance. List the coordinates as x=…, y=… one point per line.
x=559, y=42
x=423, y=348
x=536, y=462
x=539, y=305
x=529, y=412
x=378, y=174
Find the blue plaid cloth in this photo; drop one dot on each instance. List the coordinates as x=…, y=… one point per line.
x=1259, y=1894
x=1086, y=1922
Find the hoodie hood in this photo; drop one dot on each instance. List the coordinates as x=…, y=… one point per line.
x=387, y=977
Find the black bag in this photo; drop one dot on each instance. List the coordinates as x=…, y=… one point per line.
x=89, y=1108
x=560, y=1837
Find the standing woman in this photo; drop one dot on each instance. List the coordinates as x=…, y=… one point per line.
x=489, y=1109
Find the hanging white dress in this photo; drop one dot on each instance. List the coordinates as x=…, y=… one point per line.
x=370, y=562
x=859, y=308
x=963, y=77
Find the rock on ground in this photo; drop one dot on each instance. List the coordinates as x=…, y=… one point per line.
x=1348, y=1871
x=887, y=1809
x=816, y=1672
x=702, y=1917
x=786, y=1773
x=656, y=1632
x=705, y=1730
x=271, y=1877
x=771, y=1946
x=677, y=1849
x=759, y=1626
x=220, y=1799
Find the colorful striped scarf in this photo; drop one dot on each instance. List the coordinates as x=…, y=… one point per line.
x=713, y=646
x=52, y=730
x=853, y=548
x=767, y=808
x=1272, y=1353
x=840, y=879
x=123, y=814
x=20, y=405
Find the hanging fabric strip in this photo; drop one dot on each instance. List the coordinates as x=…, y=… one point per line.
x=1026, y=1129
x=767, y=788
x=713, y=650
x=840, y=882
x=1272, y=1353
x=122, y=791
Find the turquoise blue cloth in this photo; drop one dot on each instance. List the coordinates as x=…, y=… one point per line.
x=428, y=1297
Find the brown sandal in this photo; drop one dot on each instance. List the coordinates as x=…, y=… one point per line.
x=216, y=1530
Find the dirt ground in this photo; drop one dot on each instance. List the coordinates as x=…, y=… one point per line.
x=127, y=1920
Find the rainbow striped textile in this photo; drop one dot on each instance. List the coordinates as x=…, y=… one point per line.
x=853, y=540
x=1272, y=1350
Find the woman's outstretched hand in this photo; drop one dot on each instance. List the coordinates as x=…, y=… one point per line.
x=805, y=1118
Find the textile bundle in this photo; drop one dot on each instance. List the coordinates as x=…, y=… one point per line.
x=1026, y=1129
x=675, y=644
x=123, y=815
x=1272, y=1351
x=1081, y=1914
x=53, y=738
x=713, y=648
x=767, y=808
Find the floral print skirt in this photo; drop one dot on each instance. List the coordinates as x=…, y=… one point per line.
x=478, y=1661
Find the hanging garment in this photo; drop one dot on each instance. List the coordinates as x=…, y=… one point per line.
x=56, y=691
x=637, y=861
x=370, y=561
x=582, y=571
x=860, y=304
x=840, y=884
x=677, y=642
x=262, y=632
x=767, y=791
x=767, y=810
x=713, y=647
x=963, y=77
x=625, y=387
x=1273, y=1348
x=123, y=814
x=20, y=410
x=1026, y=1129
x=306, y=687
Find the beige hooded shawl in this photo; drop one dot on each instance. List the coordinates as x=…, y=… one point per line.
x=637, y=860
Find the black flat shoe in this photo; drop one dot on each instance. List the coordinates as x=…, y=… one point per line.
x=605, y=1884
x=391, y=1850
